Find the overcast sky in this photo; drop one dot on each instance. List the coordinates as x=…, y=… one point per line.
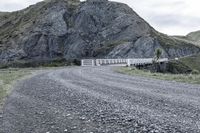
x=173, y=17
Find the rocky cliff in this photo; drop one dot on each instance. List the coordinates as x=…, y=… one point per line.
x=92, y=29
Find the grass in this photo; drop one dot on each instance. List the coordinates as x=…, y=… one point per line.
x=7, y=78
x=178, y=67
x=169, y=42
x=192, y=61
x=185, y=78
x=194, y=36
x=41, y=63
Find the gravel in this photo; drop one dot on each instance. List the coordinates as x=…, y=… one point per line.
x=99, y=100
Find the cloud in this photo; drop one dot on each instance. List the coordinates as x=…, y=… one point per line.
x=174, y=17
x=175, y=24
x=170, y=16
x=13, y=5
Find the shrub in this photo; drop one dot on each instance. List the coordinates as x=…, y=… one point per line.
x=158, y=53
x=195, y=71
x=133, y=68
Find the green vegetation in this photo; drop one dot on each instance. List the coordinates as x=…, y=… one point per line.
x=184, y=65
x=8, y=78
x=193, y=62
x=41, y=63
x=186, y=78
x=156, y=64
x=158, y=53
x=185, y=69
x=178, y=67
x=195, y=71
x=8, y=75
x=194, y=36
x=169, y=42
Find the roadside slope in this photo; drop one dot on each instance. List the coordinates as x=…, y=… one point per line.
x=192, y=61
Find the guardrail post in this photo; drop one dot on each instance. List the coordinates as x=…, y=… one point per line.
x=82, y=63
x=128, y=62
x=93, y=63
x=98, y=62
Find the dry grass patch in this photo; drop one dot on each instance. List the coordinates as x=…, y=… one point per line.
x=185, y=78
x=7, y=78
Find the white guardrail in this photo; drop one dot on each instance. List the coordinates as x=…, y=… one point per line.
x=127, y=62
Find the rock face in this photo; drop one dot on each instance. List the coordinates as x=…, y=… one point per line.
x=73, y=29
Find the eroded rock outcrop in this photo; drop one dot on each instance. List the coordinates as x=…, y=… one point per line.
x=73, y=29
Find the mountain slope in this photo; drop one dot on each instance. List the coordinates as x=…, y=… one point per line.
x=192, y=61
x=194, y=36
x=72, y=29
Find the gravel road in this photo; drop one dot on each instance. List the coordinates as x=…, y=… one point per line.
x=99, y=100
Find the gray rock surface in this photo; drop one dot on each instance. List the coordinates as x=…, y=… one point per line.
x=73, y=29
x=98, y=100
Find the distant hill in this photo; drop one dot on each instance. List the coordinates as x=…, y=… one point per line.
x=68, y=29
x=194, y=36
x=193, y=61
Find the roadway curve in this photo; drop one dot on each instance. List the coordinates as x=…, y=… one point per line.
x=98, y=100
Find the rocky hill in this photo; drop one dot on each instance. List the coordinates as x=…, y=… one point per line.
x=92, y=29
